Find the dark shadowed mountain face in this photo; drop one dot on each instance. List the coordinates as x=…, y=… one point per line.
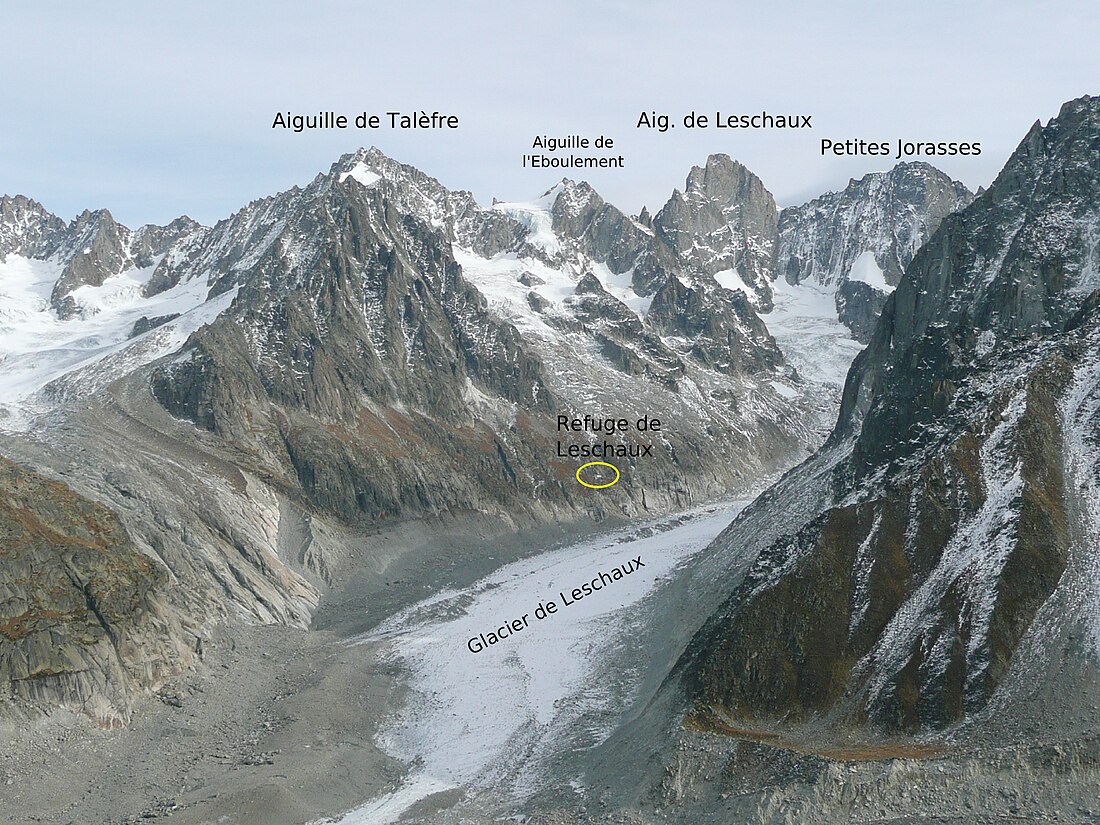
x=953, y=561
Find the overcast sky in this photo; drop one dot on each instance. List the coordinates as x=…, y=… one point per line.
x=155, y=109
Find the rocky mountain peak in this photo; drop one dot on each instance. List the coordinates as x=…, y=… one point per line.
x=725, y=180
x=26, y=227
x=1059, y=159
x=407, y=188
x=724, y=220
x=857, y=242
x=95, y=247
x=570, y=197
x=370, y=160
x=151, y=241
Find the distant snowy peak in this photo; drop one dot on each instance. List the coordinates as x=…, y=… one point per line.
x=361, y=172
x=724, y=220
x=26, y=228
x=94, y=248
x=549, y=248
x=889, y=214
x=570, y=198
x=86, y=251
x=856, y=243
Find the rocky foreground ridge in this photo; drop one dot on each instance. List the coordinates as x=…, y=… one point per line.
x=942, y=571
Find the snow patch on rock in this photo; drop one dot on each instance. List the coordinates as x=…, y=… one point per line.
x=866, y=269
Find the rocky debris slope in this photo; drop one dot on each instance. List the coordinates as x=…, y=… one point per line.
x=82, y=624
x=950, y=566
x=856, y=243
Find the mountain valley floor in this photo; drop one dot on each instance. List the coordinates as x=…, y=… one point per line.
x=280, y=726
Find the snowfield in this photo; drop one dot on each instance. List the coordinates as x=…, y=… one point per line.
x=37, y=347
x=866, y=269
x=804, y=323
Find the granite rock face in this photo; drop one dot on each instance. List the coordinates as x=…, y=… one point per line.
x=81, y=621
x=724, y=220
x=858, y=307
x=716, y=327
x=944, y=574
x=891, y=214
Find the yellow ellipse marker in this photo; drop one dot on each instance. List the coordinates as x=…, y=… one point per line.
x=601, y=464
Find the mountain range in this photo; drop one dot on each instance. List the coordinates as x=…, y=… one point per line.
x=203, y=425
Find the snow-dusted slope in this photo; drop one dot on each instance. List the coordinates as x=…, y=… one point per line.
x=936, y=580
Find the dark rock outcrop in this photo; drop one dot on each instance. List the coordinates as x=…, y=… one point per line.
x=858, y=307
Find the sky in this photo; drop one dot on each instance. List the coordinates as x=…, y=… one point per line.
x=154, y=110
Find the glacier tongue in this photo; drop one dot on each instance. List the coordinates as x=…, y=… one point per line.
x=530, y=688
x=805, y=325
